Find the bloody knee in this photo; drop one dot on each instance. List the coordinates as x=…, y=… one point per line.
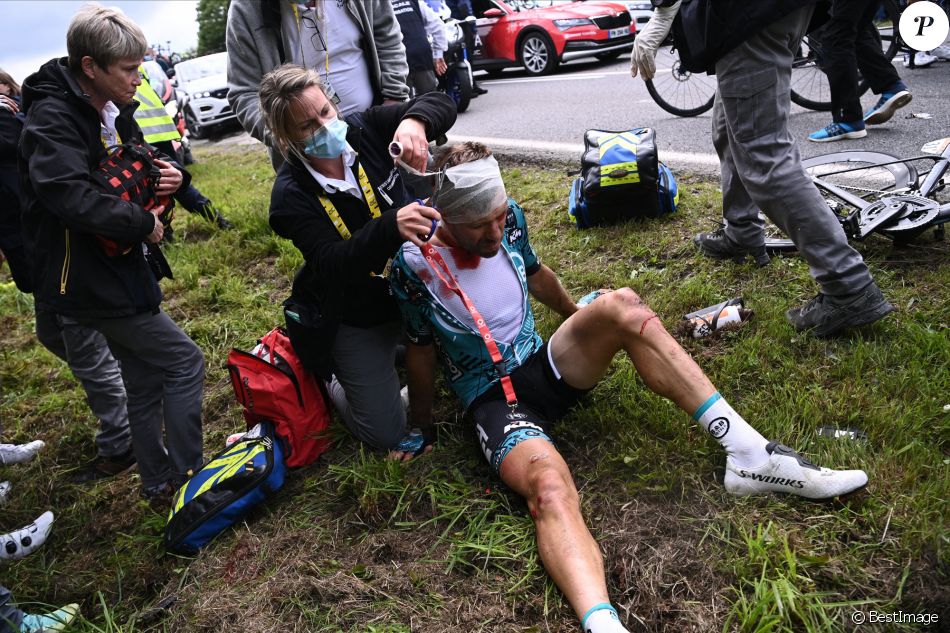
x=552, y=490
x=630, y=312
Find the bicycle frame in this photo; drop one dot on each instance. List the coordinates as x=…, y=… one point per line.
x=851, y=222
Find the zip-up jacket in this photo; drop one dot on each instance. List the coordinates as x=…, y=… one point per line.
x=63, y=210
x=336, y=278
x=255, y=48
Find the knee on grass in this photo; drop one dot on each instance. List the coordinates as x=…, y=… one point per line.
x=552, y=491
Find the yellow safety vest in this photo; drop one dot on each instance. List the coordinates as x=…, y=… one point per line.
x=157, y=125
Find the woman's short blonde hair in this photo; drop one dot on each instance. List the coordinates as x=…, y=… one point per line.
x=280, y=90
x=104, y=34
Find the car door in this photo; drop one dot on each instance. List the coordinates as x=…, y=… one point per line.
x=491, y=30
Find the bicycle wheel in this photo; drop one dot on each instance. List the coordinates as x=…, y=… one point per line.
x=809, y=83
x=858, y=173
x=677, y=90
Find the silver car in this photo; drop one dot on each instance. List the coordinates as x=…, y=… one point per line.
x=202, y=85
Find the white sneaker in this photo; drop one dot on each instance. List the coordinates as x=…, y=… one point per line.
x=941, y=52
x=26, y=540
x=20, y=453
x=921, y=60
x=787, y=471
x=4, y=490
x=404, y=396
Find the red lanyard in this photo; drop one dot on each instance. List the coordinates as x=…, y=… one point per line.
x=435, y=261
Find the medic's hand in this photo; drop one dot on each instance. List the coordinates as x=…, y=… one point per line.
x=649, y=40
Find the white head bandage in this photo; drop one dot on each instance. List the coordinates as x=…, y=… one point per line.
x=470, y=191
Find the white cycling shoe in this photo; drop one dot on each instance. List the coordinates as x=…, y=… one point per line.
x=20, y=453
x=787, y=471
x=26, y=540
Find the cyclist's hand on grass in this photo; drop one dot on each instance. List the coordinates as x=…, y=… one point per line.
x=649, y=40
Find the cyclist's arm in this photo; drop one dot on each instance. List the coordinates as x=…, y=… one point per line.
x=544, y=286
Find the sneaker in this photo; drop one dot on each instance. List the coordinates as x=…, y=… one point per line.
x=921, y=60
x=886, y=106
x=718, y=245
x=839, y=132
x=826, y=315
x=20, y=453
x=478, y=90
x=787, y=471
x=103, y=467
x=941, y=52
x=23, y=542
x=50, y=622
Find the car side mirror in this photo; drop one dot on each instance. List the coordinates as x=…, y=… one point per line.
x=493, y=13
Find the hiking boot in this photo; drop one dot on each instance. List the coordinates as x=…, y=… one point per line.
x=826, y=315
x=787, y=471
x=20, y=453
x=889, y=103
x=103, y=467
x=26, y=540
x=718, y=245
x=160, y=496
x=49, y=622
x=839, y=132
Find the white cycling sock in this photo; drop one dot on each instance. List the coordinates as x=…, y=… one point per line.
x=602, y=618
x=744, y=445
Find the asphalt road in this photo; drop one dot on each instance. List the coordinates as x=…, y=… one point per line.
x=545, y=117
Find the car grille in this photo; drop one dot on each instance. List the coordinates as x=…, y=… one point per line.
x=220, y=93
x=612, y=21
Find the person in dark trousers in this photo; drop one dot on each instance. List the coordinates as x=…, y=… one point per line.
x=84, y=349
x=342, y=201
x=850, y=42
x=77, y=107
x=418, y=23
x=461, y=9
x=751, y=53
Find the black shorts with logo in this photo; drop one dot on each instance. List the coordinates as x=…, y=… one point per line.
x=543, y=398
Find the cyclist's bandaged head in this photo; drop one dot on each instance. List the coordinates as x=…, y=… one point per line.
x=470, y=192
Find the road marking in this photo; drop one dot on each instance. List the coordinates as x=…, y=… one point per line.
x=531, y=80
x=573, y=150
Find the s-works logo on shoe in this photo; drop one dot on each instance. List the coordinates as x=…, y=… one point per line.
x=768, y=479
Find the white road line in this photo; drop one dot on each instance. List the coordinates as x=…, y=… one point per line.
x=676, y=159
x=531, y=80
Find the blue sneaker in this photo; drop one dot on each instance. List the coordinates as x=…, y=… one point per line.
x=886, y=106
x=58, y=620
x=839, y=132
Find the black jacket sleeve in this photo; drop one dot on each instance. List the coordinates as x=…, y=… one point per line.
x=297, y=215
x=10, y=127
x=435, y=109
x=58, y=159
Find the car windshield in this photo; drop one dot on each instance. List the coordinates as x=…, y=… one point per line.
x=202, y=67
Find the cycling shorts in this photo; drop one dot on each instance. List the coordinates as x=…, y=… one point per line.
x=543, y=398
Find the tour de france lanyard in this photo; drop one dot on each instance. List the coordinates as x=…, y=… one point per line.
x=335, y=215
x=441, y=269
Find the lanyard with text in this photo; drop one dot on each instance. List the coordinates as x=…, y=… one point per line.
x=435, y=261
x=335, y=215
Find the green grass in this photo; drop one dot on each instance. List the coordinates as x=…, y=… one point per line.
x=354, y=543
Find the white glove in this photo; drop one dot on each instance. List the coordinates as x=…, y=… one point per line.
x=649, y=39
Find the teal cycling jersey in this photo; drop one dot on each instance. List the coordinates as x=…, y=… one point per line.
x=465, y=360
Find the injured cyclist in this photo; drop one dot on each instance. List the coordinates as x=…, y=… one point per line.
x=465, y=299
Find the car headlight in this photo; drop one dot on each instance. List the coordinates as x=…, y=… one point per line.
x=203, y=94
x=570, y=23
x=639, y=6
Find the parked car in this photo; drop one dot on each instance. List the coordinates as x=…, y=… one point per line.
x=527, y=33
x=202, y=86
x=640, y=10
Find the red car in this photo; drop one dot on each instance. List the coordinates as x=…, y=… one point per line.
x=541, y=38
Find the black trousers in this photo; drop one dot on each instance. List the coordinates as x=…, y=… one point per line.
x=851, y=42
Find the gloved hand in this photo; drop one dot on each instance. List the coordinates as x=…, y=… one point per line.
x=649, y=39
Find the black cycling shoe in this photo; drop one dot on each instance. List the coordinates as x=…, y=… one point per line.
x=826, y=315
x=478, y=90
x=718, y=245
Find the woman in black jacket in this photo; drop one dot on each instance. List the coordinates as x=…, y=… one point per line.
x=341, y=200
x=11, y=234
